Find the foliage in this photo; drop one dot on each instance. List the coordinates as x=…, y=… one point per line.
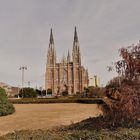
x=49, y=91
x=43, y=92
x=86, y=89
x=93, y=92
x=115, y=82
x=38, y=92
x=27, y=93
x=5, y=107
x=129, y=66
x=65, y=93
x=122, y=104
x=3, y=96
x=90, y=101
x=54, y=100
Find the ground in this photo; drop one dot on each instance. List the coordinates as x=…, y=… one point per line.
x=46, y=116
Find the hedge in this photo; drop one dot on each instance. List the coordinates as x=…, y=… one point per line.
x=55, y=100
x=90, y=101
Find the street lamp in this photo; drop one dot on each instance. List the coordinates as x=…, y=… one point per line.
x=22, y=68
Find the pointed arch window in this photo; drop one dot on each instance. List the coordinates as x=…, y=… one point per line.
x=57, y=74
x=51, y=74
x=71, y=74
x=65, y=75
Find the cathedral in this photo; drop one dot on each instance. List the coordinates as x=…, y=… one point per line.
x=68, y=75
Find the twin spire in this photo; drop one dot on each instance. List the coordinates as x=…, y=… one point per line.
x=75, y=36
x=75, y=41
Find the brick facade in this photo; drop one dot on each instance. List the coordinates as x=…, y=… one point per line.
x=68, y=75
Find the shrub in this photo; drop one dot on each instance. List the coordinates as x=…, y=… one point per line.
x=49, y=91
x=38, y=92
x=27, y=93
x=90, y=101
x=43, y=92
x=41, y=100
x=122, y=105
x=55, y=100
x=64, y=93
x=5, y=107
x=92, y=91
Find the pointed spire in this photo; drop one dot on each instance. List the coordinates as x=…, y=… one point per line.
x=51, y=50
x=75, y=35
x=68, y=57
x=64, y=59
x=51, y=37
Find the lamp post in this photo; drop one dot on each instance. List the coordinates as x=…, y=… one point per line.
x=22, y=68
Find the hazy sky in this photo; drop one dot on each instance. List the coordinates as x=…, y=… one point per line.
x=103, y=27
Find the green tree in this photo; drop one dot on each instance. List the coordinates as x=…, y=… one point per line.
x=43, y=92
x=49, y=91
x=65, y=93
x=5, y=107
x=27, y=93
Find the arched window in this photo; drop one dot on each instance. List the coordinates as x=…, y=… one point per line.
x=65, y=75
x=51, y=74
x=71, y=74
x=57, y=74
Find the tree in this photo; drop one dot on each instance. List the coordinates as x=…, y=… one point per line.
x=122, y=104
x=38, y=92
x=27, y=93
x=129, y=66
x=5, y=107
x=65, y=93
x=49, y=91
x=43, y=92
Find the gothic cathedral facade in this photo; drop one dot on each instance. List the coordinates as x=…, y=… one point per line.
x=68, y=75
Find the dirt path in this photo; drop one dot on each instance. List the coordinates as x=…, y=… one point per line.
x=44, y=116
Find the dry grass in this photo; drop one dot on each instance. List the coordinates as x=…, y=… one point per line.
x=84, y=130
x=46, y=116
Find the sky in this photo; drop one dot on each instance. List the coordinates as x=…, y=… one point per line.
x=103, y=27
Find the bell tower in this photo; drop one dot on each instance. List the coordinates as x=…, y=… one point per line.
x=51, y=65
x=51, y=56
x=76, y=49
x=76, y=55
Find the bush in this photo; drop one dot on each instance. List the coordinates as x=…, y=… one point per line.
x=41, y=101
x=43, y=92
x=92, y=92
x=121, y=106
x=5, y=107
x=122, y=102
x=64, y=93
x=49, y=91
x=38, y=92
x=27, y=93
x=90, y=101
x=55, y=100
